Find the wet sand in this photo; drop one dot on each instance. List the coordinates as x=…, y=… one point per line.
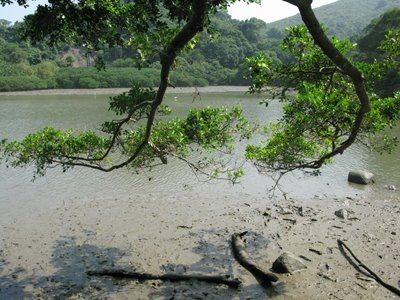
x=45, y=253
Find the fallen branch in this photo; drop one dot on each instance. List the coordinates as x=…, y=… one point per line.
x=372, y=274
x=240, y=254
x=123, y=274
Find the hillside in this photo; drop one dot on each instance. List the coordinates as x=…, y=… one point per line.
x=374, y=33
x=344, y=18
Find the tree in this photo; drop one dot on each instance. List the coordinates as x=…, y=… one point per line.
x=12, y=53
x=4, y=24
x=251, y=29
x=166, y=28
x=318, y=121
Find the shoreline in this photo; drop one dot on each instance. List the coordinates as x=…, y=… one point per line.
x=114, y=91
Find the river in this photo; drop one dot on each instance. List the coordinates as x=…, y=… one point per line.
x=20, y=115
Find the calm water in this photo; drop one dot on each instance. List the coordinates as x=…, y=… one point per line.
x=20, y=115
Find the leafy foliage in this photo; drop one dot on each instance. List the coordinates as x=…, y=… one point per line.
x=50, y=146
x=391, y=46
x=320, y=115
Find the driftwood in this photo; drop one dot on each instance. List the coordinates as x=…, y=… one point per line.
x=240, y=254
x=372, y=274
x=123, y=274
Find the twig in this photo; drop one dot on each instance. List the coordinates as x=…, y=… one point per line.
x=239, y=252
x=123, y=274
x=372, y=274
x=277, y=185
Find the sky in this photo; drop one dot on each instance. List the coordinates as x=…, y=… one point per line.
x=269, y=11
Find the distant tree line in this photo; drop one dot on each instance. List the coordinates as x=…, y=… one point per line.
x=217, y=59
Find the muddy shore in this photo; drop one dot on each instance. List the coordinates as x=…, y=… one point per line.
x=45, y=253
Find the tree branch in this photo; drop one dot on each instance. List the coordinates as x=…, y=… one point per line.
x=344, y=64
x=122, y=274
x=239, y=252
x=391, y=288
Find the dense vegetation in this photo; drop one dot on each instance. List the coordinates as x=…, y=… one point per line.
x=217, y=59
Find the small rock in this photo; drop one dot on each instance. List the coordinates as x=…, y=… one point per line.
x=390, y=187
x=300, y=211
x=360, y=177
x=346, y=203
x=342, y=213
x=266, y=214
x=287, y=262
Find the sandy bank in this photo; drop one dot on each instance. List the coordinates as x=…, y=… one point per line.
x=113, y=91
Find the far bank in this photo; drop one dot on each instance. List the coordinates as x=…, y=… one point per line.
x=114, y=91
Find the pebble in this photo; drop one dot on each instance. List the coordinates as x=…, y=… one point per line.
x=288, y=263
x=342, y=213
x=390, y=187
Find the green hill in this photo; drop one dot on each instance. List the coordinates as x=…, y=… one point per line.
x=344, y=18
x=374, y=33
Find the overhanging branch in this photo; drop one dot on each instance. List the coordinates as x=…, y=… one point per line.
x=322, y=40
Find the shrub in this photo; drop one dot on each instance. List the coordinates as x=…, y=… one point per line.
x=88, y=83
x=14, y=83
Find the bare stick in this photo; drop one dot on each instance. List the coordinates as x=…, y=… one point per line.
x=123, y=274
x=240, y=254
x=372, y=274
